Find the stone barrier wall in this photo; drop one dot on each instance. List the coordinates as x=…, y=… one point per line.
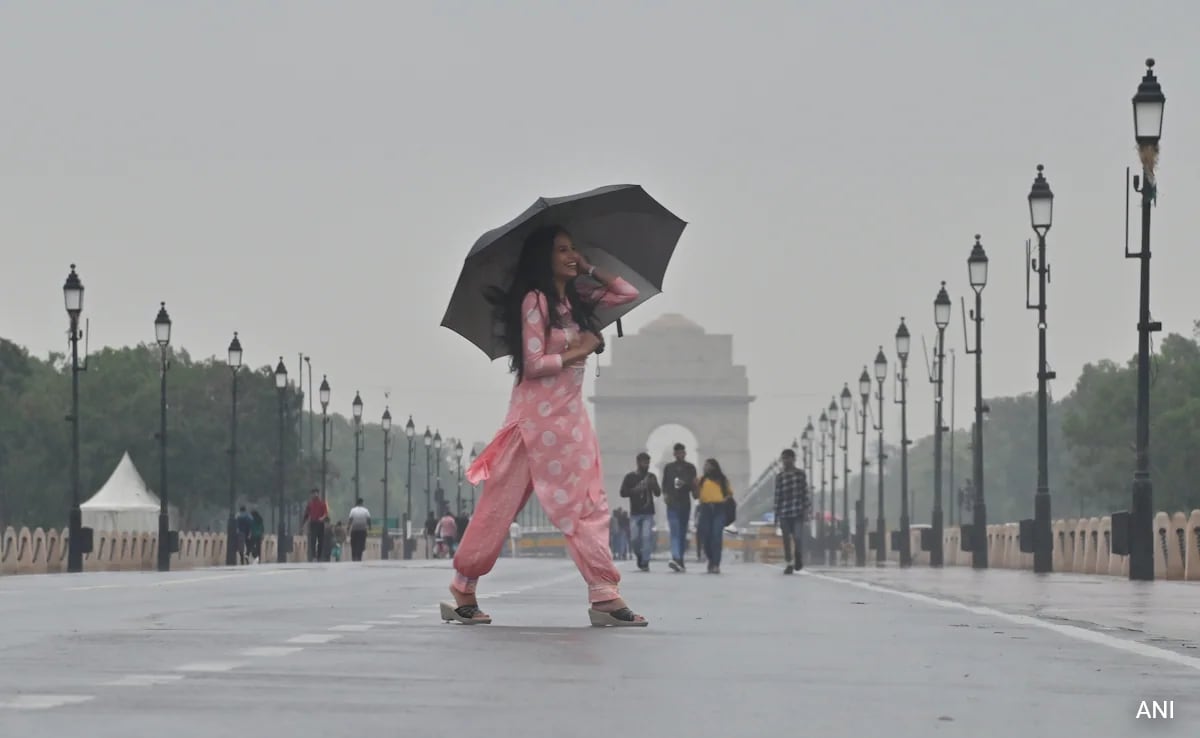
x=41, y=551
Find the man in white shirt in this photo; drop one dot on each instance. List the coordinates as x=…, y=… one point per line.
x=359, y=522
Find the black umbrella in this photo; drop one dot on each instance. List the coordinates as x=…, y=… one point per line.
x=619, y=228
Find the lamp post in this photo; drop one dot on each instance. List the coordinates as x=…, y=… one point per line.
x=1148, y=106
x=326, y=447
x=162, y=333
x=308, y=363
x=235, y=363
x=807, y=438
x=73, y=298
x=860, y=507
x=409, y=431
x=1041, y=211
x=833, y=527
x=385, y=541
x=823, y=433
x=880, y=524
x=439, y=494
x=458, y=452
x=357, y=409
x=847, y=400
x=428, y=474
x=977, y=270
x=282, y=541
x=941, y=319
x=903, y=342
x=474, y=455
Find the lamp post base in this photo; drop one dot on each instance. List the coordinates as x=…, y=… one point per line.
x=231, y=537
x=164, y=542
x=860, y=535
x=385, y=544
x=979, y=542
x=1141, y=529
x=1043, y=537
x=905, y=542
x=282, y=541
x=936, y=554
x=75, y=541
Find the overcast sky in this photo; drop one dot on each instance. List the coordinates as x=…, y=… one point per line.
x=311, y=175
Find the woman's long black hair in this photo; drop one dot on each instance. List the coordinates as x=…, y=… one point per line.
x=718, y=476
x=535, y=272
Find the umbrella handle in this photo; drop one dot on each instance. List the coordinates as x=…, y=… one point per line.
x=620, y=330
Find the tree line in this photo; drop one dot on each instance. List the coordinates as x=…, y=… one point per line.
x=119, y=411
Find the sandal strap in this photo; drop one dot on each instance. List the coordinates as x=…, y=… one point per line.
x=468, y=611
x=624, y=614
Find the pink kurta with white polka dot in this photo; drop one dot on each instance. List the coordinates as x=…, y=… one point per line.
x=547, y=409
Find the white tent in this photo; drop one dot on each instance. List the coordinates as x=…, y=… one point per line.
x=123, y=504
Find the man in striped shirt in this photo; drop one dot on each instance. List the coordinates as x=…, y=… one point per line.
x=792, y=508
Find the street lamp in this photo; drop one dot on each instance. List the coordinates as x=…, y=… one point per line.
x=880, y=524
x=162, y=334
x=439, y=494
x=409, y=431
x=823, y=432
x=1041, y=210
x=428, y=477
x=1148, y=106
x=832, y=528
x=357, y=408
x=474, y=455
x=76, y=545
x=458, y=452
x=903, y=344
x=235, y=363
x=977, y=270
x=385, y=541
x=326, y=448
x=847, y=401
x=860, y=507
x=283, y=542
x=941, y=319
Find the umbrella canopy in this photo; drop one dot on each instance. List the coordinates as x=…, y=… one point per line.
x=619, y=228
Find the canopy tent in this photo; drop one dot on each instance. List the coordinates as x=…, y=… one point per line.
x=123, y=504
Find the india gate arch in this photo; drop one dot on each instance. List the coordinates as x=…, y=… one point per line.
x=672, y=372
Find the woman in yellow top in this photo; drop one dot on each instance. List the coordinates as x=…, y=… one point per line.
x=713, y=489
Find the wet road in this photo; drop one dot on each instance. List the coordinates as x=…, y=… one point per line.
x=358, y=649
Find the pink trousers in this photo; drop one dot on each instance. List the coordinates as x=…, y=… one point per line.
x=509, y=486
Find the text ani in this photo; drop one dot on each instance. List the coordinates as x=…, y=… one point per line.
x=1156, y=709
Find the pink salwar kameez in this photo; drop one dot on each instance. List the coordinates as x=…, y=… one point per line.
x=546, y=447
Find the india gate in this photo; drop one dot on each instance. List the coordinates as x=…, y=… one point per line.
x=672, y=373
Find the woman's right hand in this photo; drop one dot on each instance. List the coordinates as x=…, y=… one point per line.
x=590, y=342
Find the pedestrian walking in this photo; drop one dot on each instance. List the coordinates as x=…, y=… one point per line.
x=679, y=484
x=339, y=540
x=792, y=508
x=258, y=530
x=641, y=487
x=714, y=491
x=547, y=445
x=359, y=522
x=315, y=515
x=243, y=524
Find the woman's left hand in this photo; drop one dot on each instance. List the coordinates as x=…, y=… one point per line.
x=582, y=264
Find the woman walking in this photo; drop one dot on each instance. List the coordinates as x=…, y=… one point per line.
x=714, y=491
x=547, y=445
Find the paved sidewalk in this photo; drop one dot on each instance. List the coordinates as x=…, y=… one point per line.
x=1163, y=613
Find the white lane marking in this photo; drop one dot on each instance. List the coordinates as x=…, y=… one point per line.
x=270, y=651
x=44, y=701
x=172, y=582
x=1070, y=631
x=351, y=628
x=381, y=622
x=211, y=667
x=144, y=680
x=311, y=638
x=405, y=616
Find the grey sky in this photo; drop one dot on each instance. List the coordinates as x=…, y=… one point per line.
x=311, y=174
